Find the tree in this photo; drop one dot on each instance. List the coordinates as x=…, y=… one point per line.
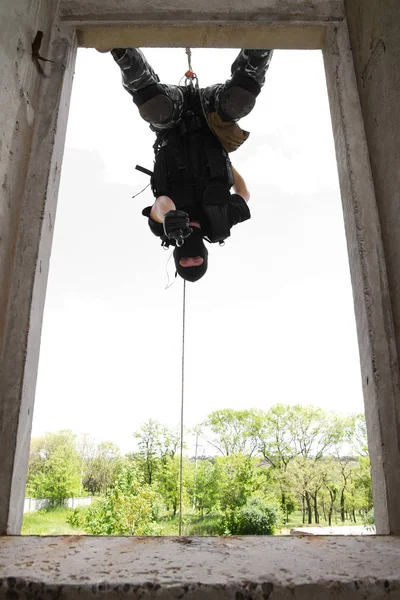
x=54, y=467
x=361, y=473
x=363, y=485
x=100, y=467
x=205, y=494
x=357, y=436
x=234, y=431
x=130, y=508
x=276, y=442
x=317, y=432
x=331, y=483
x=157, y=442
x=237, y=477
x=305, y=478
x=168, y=481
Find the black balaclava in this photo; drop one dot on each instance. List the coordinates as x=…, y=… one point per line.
x=193, y=246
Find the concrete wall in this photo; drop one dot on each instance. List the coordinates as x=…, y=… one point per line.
x=19, y=93
x=35, y=504
x=19, y=96
x=236, y=568
x=374, y=28
x=33, y=113
x=34, y=98
x=206, y=23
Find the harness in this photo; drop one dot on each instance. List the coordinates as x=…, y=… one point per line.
x=194, y=169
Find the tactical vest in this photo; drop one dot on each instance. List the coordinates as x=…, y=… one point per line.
x=192, y=167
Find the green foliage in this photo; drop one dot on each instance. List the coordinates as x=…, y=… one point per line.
x=157, y=444
x=54, y=467
x=209, y=524
x=363, y=484
x=205, y=490
x=50, y=521
x=234, y=431
x=369, y=521
x=130, y=507
x=75, y=518
x=358, y=435
x=101, y=465
x=237, y=478
x=254, y=518
x=167, y=481
x=290, y=463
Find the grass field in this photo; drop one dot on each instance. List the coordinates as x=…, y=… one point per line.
x=50, y=521
x=54, y=522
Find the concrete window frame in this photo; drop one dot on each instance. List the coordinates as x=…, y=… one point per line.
x=293, y=24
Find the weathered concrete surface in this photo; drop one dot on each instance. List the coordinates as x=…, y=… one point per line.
x=19, y=90
x=257, y=23
x=95, y=11
x=302, y=37
x=225, y=568
x=34, y=100
x=375, y=330
x=374, y=28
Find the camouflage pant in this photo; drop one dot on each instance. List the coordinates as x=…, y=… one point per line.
x=162, y=104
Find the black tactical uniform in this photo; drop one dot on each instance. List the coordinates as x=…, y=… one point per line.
x=195, y=131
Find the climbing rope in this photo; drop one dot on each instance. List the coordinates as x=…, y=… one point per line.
x=190, y=76
x=189, y=72
x=189, y=55
x=190, y=79
x=182, y=405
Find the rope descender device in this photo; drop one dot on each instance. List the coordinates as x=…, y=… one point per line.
x=190, y=75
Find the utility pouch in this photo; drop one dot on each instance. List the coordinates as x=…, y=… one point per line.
x=159, y=179
x=216, y=194
x=229, y=170
x=215, y=206
x=219, y=166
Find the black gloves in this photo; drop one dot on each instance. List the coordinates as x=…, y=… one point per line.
x=176, y=226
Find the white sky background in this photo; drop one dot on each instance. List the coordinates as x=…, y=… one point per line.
x=272, y=321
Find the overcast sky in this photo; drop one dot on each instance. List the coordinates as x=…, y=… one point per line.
x=272, y=321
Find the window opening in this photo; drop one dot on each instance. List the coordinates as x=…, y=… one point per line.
x=96, y=315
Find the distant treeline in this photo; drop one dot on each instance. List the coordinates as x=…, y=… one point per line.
x=267, y=464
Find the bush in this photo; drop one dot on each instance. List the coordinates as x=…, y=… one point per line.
x=255, y=518
x=369, y=521
x=130, y=507
x=75, y=518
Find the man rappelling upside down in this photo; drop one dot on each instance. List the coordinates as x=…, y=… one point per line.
x=195, y=129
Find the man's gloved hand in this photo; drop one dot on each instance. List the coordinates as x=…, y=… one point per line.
x=176, y=225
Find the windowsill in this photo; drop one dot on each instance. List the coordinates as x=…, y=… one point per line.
x=237, y=567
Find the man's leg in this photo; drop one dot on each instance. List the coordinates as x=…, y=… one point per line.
x=237, y=97
x=158, y=104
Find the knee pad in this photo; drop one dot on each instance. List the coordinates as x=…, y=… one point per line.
x=157, y=110
x=154, y=105
x=236, y=103
x=239, y=98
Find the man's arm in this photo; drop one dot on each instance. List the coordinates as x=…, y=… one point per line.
x=175, y=223
x=160, y=207
x=239, y=185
